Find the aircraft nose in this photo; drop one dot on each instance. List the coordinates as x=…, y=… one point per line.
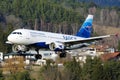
x=10, y=38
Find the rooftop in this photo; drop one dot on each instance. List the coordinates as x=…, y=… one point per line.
x=109, y=56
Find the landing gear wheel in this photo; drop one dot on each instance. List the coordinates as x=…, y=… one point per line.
x=19, y=48
x=38, y=56
x=62, y=55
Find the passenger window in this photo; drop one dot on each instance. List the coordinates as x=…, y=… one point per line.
x=20, y=33
x=17, y=33
x=14, y=33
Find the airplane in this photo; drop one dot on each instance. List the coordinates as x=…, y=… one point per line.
x=26, y=39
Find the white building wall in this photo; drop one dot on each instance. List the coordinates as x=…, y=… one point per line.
x=1, y=56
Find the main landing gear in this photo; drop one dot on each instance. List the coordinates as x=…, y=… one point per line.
x=62, y=54
x=38, y=56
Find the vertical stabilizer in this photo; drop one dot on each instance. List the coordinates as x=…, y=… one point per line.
x=86, y=28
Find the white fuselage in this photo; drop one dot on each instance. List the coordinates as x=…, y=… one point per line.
x=26, y=37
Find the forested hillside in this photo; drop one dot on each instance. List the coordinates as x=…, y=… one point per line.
x=47, y=14
x=41, y=14
x=107, y=16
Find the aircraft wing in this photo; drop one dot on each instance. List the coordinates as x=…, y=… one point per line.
x=85, y=40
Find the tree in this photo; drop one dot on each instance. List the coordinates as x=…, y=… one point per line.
x=50, y=72
x=8, y=30
x=19, y=76
x=111, y=70
x=72, y=70
x=1, y=75
x=97, y=73
x=92, y=69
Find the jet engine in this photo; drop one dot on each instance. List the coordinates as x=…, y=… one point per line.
x=17, y=48
x=56, y=46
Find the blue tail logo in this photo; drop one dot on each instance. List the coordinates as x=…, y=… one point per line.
x=86, y=29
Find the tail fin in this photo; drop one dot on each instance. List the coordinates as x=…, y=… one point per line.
x=86, y=28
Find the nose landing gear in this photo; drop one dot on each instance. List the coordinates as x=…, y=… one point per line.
x=62, y=54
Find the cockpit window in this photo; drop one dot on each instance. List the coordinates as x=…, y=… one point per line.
x=17, y=33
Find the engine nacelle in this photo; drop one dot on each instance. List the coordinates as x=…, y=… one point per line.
x=56, y=46
x=17, y=48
